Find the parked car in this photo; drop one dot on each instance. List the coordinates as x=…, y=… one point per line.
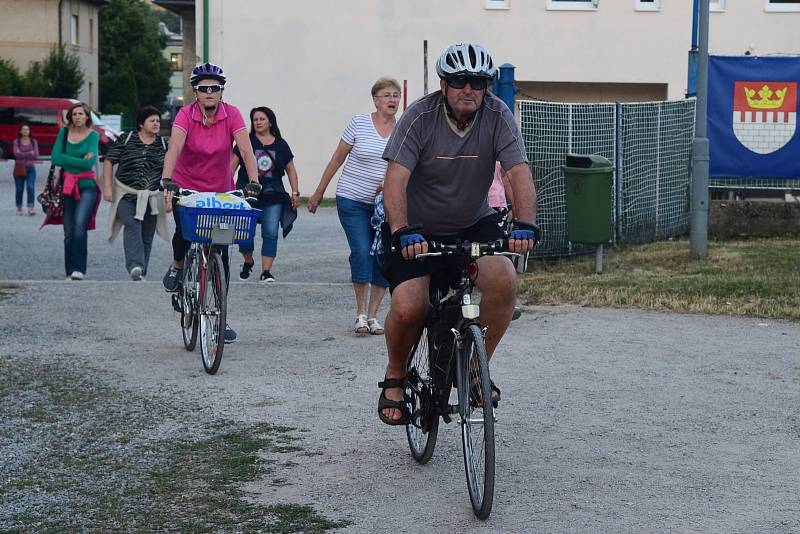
x=45, y=117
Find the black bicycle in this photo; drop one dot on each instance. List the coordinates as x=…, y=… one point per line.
x=451, y=352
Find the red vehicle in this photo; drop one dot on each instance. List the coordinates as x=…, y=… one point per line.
x=45, y=117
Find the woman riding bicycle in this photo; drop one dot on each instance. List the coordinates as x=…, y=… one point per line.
x=199, y=156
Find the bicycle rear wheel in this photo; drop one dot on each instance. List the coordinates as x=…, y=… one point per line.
x=188, y=301
x=477, y=421
x=423, y=428
x=213, y=308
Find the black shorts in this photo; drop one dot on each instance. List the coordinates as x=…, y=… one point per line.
x=397, y=270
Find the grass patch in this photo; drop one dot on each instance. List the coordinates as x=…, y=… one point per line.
x=753, y=278
x=83, y=456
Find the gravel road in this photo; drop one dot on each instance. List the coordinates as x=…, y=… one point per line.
x=611, y=421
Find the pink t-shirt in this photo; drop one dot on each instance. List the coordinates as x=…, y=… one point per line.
x=497, y=191
x=205, y=161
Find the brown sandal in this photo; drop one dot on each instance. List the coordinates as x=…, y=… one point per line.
x=384, y=403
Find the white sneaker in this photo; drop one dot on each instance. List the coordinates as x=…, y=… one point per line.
x=76, y=275
x=375, y=328
x=136, y=273
x=361, y=326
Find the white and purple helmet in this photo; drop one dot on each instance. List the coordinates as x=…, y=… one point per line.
x=207, y=71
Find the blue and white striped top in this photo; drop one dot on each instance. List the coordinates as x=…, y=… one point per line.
x=365, y=167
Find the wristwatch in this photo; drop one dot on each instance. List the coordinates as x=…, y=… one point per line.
x=295, y=193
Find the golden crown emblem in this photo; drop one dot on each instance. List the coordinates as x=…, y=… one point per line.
x=765, y=100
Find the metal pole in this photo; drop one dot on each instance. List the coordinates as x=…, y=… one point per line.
x=504, y=86
x=598, y=259
x=425, y=66
x=698, y=236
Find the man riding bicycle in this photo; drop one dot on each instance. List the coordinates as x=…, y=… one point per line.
x=441, y=158
x=199, y=158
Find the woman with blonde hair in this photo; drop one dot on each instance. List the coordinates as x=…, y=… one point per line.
x=362, y=145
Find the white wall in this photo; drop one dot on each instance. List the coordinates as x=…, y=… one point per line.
x=314, y=61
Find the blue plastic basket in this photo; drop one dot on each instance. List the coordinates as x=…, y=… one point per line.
x=197, y=223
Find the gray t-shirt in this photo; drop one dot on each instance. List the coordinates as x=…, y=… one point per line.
x=451, y=174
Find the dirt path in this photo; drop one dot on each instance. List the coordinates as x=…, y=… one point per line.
x=611, y=420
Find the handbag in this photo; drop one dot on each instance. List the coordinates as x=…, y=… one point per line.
x=20, y=169
x=52, y=197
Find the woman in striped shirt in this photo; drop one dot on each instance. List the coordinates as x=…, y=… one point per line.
x=138, y=206
x=362, y=145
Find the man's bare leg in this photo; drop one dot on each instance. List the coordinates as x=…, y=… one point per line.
x=497, y=281
x=403, y=322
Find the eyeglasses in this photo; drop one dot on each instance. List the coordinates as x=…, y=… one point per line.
x=389, y=95
x=216, y=88
x=460, y=82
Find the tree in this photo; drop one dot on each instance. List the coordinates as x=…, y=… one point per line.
x=63, y=71
x=59, y=75
x=131, y=44
x=34, y=83
x=10, y=80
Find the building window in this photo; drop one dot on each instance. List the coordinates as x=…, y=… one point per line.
x=91, y=34
x=497, y=4
x=575, y=5
x=176, y=60
x=781, y=5
x=648, y=5
x=73, y=30
x=716, y=5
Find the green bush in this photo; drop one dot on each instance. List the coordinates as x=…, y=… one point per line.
x=10, y=79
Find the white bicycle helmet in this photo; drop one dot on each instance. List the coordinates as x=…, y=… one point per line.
x=465, y=59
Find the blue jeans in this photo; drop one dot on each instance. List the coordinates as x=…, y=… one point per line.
x=76, y=224
x=27, y=182
x=355, y=218
x=270, y=217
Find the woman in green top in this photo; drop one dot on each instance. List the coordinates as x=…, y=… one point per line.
x=77, y=158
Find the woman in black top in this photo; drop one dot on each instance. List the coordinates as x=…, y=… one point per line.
x=273, y=157
x=138, y=206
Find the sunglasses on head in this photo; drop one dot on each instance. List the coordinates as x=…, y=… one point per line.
x=462, y=81
x=215, y=88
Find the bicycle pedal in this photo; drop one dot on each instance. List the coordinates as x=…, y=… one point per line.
x=176, y=303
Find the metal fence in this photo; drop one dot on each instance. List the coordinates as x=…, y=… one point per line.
x=650, y=146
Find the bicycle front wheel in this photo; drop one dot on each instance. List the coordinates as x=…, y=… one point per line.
x=188, y=300
x=423, y=428
x=213, y=309
x=477, y=421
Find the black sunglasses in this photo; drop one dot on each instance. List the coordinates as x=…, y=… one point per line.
x=476, y=83
x=216, y=88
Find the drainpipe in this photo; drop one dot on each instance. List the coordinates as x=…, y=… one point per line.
x=60, y=41
x=205, y=31
x=691, y=86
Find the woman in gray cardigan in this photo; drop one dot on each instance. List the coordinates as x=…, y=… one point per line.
x=138, y=206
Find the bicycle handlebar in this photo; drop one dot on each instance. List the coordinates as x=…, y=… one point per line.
x=473, y=249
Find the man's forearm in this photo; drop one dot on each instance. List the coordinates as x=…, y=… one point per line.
x=394, y=203
x=524, y=192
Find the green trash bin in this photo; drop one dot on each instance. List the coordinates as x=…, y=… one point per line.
x=588, y=183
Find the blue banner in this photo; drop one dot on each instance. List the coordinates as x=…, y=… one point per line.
x=752, y=117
